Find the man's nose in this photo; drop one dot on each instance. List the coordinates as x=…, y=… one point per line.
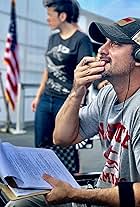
x=104, y=48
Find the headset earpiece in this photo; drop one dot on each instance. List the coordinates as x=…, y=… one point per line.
x=136, y=54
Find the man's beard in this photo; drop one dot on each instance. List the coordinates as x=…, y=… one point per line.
x=107, y=74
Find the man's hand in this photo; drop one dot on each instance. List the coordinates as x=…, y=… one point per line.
x=87, y=71
x=60, y=193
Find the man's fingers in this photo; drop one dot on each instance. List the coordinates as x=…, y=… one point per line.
x=90, y=69
x=86, y=60
x=51, y=180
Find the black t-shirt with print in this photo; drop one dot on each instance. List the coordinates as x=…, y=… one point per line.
x=62, y=56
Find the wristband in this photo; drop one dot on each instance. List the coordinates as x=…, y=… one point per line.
x=126, y=194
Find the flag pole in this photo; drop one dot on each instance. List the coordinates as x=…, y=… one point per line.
x=20, y=97
x=11, y=60
x=8, y=121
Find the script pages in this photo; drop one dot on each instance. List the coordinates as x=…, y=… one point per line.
x=22, y=168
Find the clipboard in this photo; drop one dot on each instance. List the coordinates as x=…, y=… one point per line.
x=6, y=190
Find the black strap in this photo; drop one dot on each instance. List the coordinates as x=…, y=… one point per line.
x=126, y=194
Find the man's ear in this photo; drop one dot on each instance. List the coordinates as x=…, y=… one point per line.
x=63, y=16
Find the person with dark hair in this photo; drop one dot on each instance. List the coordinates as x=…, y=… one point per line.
x=76, y=9
x=65, y=49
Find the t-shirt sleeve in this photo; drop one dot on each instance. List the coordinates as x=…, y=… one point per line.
x=89, y=120
x=85, y=48
x=48, y=48
x=90, y=115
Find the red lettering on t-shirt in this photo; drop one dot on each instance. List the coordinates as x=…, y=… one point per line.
x=117, y=132
x=110, y=178
x=101, y=130
x=111, y=163
x=114, y=137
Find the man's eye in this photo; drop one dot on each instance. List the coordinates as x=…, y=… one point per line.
x=115, y=43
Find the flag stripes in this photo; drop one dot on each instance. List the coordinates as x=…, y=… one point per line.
x=11, y=60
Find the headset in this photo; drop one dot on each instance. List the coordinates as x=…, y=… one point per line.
x=137, y=55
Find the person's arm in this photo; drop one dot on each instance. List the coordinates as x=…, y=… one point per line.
x=65, y=193
x=40, y=90
x=67, y=121
x=105, y=197
x=66, y=130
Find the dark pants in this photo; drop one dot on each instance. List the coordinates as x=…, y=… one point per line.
x=44, y=126
x=45, y=119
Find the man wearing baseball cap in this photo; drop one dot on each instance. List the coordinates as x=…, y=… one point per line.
x=114, y=114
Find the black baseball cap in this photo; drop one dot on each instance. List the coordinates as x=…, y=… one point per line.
x=126, y=30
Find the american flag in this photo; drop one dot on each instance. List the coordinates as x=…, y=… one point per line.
x=11, y=60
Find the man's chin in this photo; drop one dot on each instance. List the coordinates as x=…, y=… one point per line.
x=105, y=75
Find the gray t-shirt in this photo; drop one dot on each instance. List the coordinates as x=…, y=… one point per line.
x=118, y=125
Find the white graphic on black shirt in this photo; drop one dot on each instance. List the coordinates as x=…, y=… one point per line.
x=58, y=51
x=56, y=86
x=57, y=77
x=56, y=70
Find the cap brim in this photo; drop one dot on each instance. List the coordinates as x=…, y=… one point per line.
x=99, y=32
x=96, y=34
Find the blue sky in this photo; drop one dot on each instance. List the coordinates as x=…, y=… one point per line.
x=114, y=9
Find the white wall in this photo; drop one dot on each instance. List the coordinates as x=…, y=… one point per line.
x=33, y=42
